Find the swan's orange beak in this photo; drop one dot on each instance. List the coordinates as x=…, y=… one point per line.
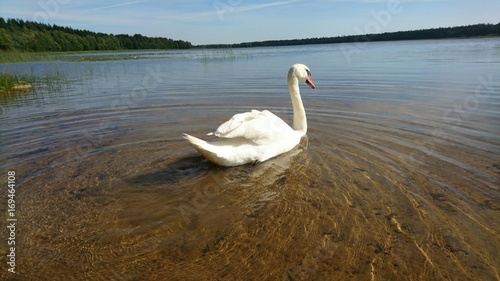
x=310, y=82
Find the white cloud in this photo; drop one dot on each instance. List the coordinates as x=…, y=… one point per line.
x=223, y=8
x=262, y=6
x=118, y=5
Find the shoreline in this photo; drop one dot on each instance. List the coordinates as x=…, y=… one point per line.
x=19, y=57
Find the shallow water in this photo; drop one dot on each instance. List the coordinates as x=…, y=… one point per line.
x=397, y=179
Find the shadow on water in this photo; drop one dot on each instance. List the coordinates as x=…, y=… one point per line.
x=197, y=167
x=173, y=172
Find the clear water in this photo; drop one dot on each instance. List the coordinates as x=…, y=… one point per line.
x=398, y=178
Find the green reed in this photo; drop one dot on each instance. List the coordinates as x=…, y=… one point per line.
x=12, y=57
x=11, y=82
x=18, y=89
x=221, y=54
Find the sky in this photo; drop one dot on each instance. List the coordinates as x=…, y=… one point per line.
x=236, y=21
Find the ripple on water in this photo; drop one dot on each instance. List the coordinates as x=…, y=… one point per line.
x=346, y=202
x=384, y=186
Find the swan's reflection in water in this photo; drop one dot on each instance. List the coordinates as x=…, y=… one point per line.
x=201, y=188
x=217, y=219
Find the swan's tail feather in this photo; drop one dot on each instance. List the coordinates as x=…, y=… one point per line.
x=203, y=147
x=193, y=140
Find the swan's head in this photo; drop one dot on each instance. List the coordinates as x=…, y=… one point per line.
x=302, y=73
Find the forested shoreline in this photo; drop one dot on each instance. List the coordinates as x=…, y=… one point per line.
x=29, y=36
x=478, y=30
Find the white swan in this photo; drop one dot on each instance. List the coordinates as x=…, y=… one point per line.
x=258, y=135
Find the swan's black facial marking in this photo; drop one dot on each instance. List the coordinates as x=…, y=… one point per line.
x=308, y=79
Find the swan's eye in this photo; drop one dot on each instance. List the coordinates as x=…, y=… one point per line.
x=308, y=72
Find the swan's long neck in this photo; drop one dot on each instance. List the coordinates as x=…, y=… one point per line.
x=299, y=114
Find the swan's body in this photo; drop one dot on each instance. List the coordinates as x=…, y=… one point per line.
x=258, y=135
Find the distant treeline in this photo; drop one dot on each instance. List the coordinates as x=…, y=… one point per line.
x=28, y=36
x=477, y=30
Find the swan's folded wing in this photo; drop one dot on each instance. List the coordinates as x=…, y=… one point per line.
x=257, y=126
x=232, y=124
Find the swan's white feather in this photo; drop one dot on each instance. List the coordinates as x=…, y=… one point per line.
x=256, y=126
x=257, y=135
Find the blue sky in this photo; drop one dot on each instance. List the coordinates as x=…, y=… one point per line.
x=235, y=21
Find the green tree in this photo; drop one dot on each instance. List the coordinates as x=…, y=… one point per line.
x=6, y=43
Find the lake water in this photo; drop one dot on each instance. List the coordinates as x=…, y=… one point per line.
x=397, y=179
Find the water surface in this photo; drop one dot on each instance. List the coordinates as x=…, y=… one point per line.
x=397, y=178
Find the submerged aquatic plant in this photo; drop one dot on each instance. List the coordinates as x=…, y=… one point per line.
x=53, y=82
x=221, y=54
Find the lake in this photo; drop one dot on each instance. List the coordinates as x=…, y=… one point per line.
x=397, y=179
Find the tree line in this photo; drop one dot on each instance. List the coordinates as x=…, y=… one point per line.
x=29, y=36
x=477, y=30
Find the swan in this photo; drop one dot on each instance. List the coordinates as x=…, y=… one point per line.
x=257, y=136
